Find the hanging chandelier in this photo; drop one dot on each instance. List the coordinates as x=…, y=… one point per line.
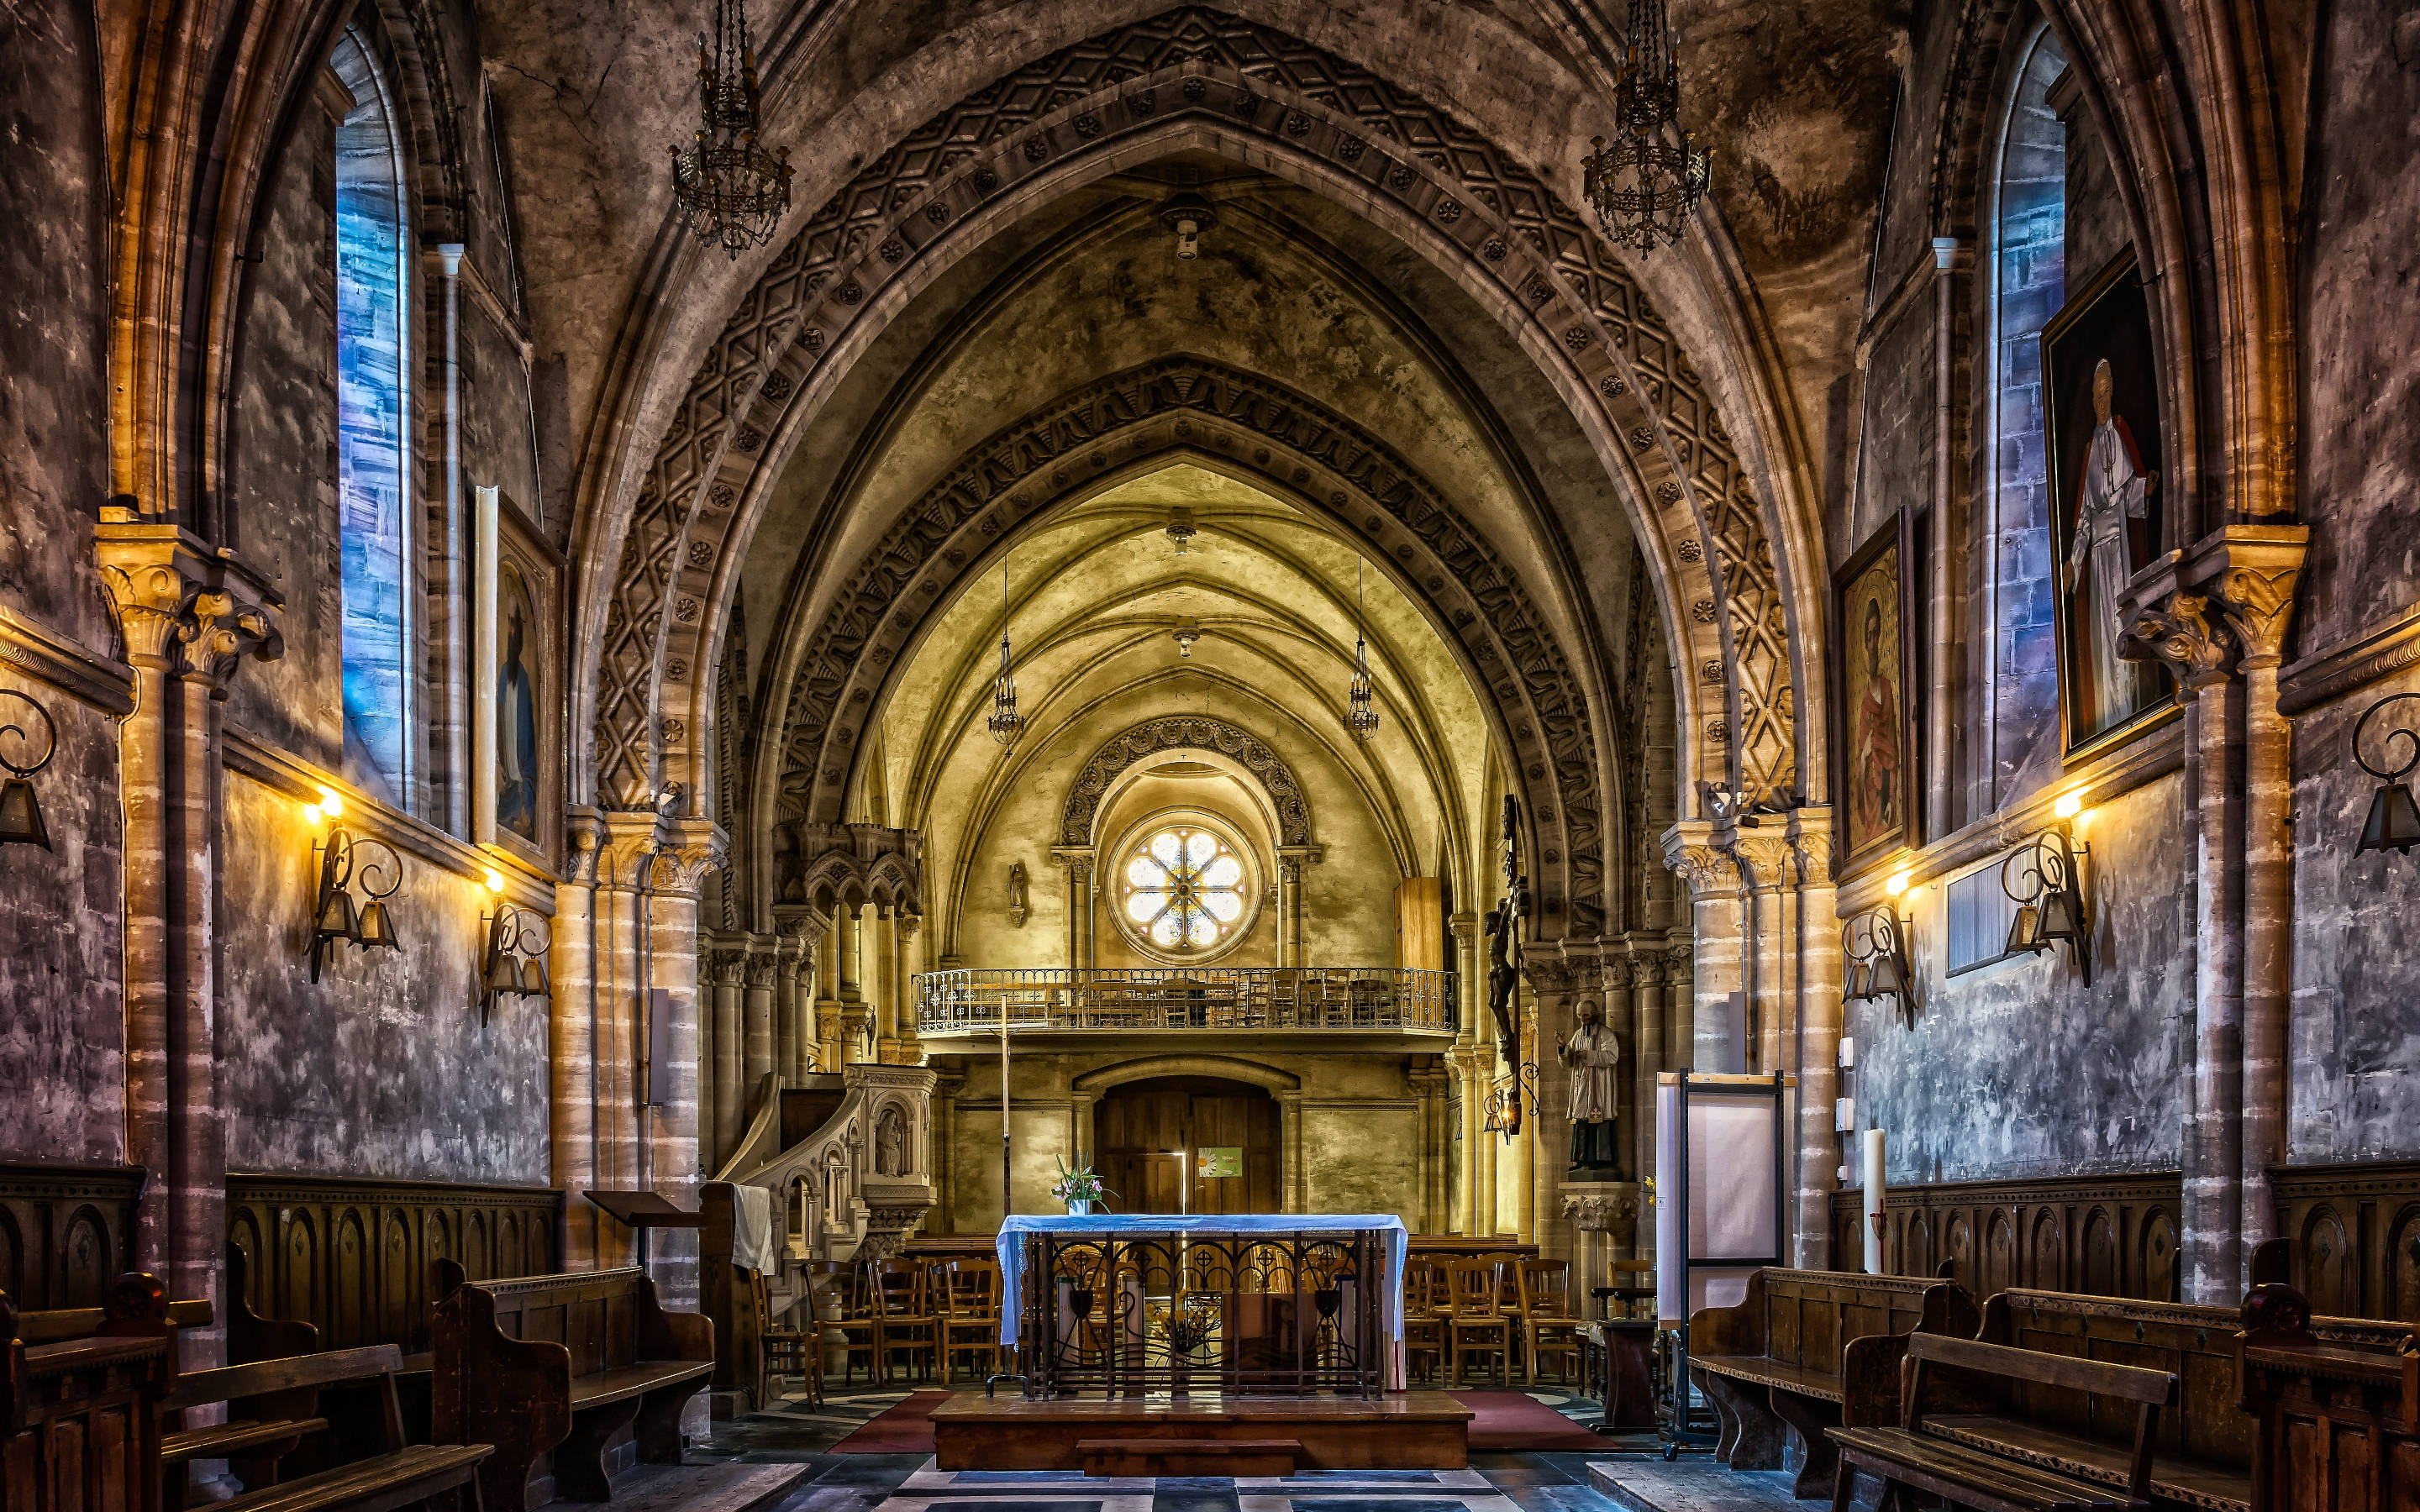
x=1361, y=714
x=1005, y=724
x=1645, y=188
x=728, y=189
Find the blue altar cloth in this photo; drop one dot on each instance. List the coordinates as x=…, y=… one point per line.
x=1011, y=1246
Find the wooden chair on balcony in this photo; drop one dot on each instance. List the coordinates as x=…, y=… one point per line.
x=1475, y=1320
x=1550, y=1324
x=842, y=1300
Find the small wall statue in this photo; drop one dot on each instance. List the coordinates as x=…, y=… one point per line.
x=1591, y=1053
x=891, y=1143
x=1017, y=909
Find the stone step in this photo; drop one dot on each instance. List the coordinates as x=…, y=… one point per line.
x=1189, y=1457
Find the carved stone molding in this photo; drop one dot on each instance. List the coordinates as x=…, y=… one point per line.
x=723, y=965
x=2259, y=606
x=183, y=609
x=1690, y=850
x=2180, y=634
x=1771, y=859
x=841, y=867
x=693, y=847
x=762, y=965
x=1607, y=1207
x=1201, y=732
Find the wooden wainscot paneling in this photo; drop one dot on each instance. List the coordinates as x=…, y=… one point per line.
x=67, y=1232
x=352, y=1255
x=2353, y=1236
x=2109, y=1236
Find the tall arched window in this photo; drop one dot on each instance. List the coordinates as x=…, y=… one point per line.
x=373, y=415
x=2027, y=268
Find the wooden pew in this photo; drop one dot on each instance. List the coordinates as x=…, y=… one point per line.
x=559, y=1372
x=1814, y=1350
x=2336, y=1420
x=260, y=1393
x=79, y=1391
x=2009, y=1471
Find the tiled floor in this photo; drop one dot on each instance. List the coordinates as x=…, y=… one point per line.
x=798, y=1433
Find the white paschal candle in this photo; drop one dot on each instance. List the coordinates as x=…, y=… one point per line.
x=1873, y=1224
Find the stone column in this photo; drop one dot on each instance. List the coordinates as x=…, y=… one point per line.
x=904, y=1048
x=1815, y=1055
x=190, y=616
x=1717, y=920
x=1077, y=861
x=1771, y=862
x=1951, y=256
x=757, y=1033
x=571, y=1037
x=623, y=967
x=691, y=848
x=1466, y=1064
x=1469, y=1002
x=852, y=940
x=1604, y=1216
x=1680, y=1004
x=723, y=1116
x=1293, y=1183
x=1647, y=997
x=1291, y=860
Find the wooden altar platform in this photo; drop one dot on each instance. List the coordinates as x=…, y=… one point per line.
x=1400, y=1430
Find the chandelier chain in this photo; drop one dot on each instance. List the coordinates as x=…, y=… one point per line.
x=1360, y=710
x=1645, y=185
x=1005, y=724
x=726, y=188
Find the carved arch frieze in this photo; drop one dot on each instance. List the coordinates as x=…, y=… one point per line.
x=1198, y=732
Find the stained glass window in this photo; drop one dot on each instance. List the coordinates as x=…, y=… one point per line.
x=1183, y=888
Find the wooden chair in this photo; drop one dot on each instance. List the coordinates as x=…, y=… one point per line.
x=970, y=1313
x=904, y=1319
x=1549, y=1324
x=842, y=1301
x=1424, y=1319
x=1475, y=1322
x=1508, y=1294
x=783, y=1351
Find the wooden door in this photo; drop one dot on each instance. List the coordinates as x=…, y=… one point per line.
x=1149, y=1137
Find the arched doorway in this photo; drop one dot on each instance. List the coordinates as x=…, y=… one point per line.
x=1188, y=1143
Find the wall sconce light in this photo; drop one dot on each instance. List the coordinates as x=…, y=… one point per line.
x=1874, y=947
x=2393, y=819
x=2041, y=879
x=1504, y=1101
x=21, y=815
x=345, y=858
x=514, y=963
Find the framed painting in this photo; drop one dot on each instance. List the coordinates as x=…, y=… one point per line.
x=1873, y=606
x=515, y=706
x=2100, y=397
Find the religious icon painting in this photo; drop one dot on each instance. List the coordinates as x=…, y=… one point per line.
x=2100, y=395
x=1874, y=618
x=516, y=724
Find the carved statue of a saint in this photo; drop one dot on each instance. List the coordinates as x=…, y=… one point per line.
x=2115, y=489
x=1504, y=978
x=891, y=1143
x=1591, y=1053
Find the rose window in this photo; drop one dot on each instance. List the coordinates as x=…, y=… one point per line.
x=1183, y=888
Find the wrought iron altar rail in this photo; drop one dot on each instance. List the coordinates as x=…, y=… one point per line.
x=1255, y=1314
x=1198, y=997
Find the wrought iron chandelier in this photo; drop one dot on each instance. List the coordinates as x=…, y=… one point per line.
x=1005, y=724
x=729, y=190
x=1360, y=715
x=1645, y=188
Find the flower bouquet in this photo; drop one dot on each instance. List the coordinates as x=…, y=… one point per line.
x=1079, y=1189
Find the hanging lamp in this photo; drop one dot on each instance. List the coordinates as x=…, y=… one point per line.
x=1645, y=186
x=726, y=189
x=1361, y=712
x=1005, y=723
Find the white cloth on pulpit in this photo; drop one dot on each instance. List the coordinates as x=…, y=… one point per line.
x=751, y=1222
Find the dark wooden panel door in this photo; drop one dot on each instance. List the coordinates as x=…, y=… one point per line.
x=1148, y=1139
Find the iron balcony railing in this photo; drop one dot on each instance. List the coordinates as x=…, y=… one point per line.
x=1202, y=998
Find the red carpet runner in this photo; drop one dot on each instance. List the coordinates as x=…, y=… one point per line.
x=1506, y=1421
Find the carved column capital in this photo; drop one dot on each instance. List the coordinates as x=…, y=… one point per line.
x=1076, y=860
x=1616, y=972
x=1689, y=850
x=764, y=964
x=692, y=848
x=1462, y=926
x=724, y=964
x=183, y=607
x=1811, y=831
x=1607, y=1207
x=2259, y=607
x=1771, y=859
x=2179, y=632
x=583, y=840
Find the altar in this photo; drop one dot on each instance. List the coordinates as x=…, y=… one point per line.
x=1204, y=1344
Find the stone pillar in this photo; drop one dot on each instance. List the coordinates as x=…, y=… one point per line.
x=1646, y=999
x=1947, y=590
x=723, y=1116
x=1771, y=862
x=1469, y=1001
x=623, y=969
x=1718, y=920
x=1605, y=1217
x=1814, y=969
x=757, y=1032
x=1291, y=860
x=1077, y=861
x=691, y=848
x=571, y=1039
x=1293, y=1183
x=190, y=616
x=1680, y=1004
x=906, y=1049
x=852, y=939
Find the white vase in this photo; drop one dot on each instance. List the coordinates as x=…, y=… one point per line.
x=1079, y=1207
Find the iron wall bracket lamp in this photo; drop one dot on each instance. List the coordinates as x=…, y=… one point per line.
x=2041, y=878
x=21, y=815
x=1504, y=1101
x=515, y=958
x=345, y=858
x=1873, y=948
x=2394, y=823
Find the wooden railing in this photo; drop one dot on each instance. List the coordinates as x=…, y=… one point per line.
x=1202, y=998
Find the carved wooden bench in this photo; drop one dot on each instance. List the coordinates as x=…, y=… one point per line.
x=559, y=1372
x=80, y=1389
x=2010, y=1469
x=1814, y=1350
x=274, y=1390
x=2336, y=1404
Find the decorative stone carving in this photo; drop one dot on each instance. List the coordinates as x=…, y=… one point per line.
x=1201, y=732
x=1607, y=1207
x=2180, y=634
x=832, y=868
x=2258, y=606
